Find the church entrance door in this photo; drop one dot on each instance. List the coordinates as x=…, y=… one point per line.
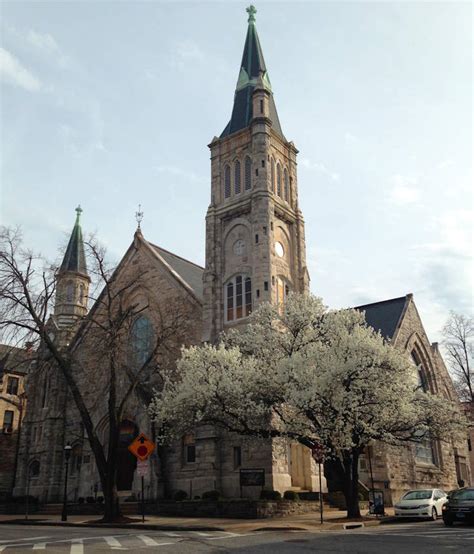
x=126, y=460
x=300, y=466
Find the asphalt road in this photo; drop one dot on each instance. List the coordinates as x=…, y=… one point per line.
x=406, y=538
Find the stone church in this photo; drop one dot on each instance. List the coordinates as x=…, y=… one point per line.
x=255, y=252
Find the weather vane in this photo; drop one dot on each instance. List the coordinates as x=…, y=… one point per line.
x=139, y=215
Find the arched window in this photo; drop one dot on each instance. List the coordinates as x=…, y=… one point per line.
x=421, y=372
x=286, y=185
x=227, y=182
x=283, y=290
x=237, y=177
x=69, y=291
x=45, y=391
x=279, y=180
x=34, y=469
x=142, y=341
x=248, y=173
x=238, y=297
x=82, y=290
x=272, y=173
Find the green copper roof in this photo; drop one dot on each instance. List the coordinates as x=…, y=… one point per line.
x=251, y=69
x=74, y=258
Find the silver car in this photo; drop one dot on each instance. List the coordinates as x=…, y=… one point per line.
x=422, y=503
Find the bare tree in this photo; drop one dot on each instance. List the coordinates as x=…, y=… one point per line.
x=101, y=342
x=458, y=340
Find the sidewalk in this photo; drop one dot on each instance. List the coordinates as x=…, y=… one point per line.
x=305, y=522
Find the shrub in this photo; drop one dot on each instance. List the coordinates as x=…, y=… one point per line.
x=211, y=495
x=100, y=499
x=291, y=495
x=180, y=495
x=22, y=499
x=80, y=500
x=270, y=495
x=90, y=500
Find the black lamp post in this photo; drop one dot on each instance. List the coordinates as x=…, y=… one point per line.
x=67, y=455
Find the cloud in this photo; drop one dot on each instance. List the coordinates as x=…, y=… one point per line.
x=47, y=45
x=14, y=73
x=178, y=172
x=320, y=167
x=404, y=190
x=446, y=267
x=185, y=53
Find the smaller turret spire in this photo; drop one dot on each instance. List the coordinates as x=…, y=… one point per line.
x=74, y=257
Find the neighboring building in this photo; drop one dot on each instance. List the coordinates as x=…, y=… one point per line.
x=469, y=411
x=255, y=252
x=13, y=369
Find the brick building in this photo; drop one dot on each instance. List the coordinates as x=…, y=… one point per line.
x=13, y=369
x=255, y=252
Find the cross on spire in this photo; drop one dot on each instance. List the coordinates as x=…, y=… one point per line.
x=78, y=213
x=251, y=10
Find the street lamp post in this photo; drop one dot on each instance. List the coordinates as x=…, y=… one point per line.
x=67, y=455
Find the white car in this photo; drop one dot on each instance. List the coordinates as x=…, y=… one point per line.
x=423, y=503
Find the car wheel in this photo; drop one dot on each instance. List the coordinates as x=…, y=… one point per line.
x=434, y=514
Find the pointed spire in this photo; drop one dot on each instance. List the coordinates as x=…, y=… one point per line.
x=74, y=257
x=253, y=71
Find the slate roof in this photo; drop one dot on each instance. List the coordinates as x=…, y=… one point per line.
x=252, y=67
x=74, y=257
x=190, y=272
x=384, y=316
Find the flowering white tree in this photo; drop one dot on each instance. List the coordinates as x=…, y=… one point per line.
x=310, y=375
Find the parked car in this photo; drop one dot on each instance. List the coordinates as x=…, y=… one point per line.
x=460, y=507
x=422, y=503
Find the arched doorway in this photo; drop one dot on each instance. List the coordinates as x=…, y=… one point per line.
x=126, y=460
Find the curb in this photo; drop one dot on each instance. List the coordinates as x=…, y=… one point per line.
x=146, y=526
x=328, y=526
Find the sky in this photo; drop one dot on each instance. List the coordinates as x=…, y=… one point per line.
x=112, y=104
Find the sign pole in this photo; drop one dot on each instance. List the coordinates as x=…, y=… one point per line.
x=143, y=500
x=320, y=495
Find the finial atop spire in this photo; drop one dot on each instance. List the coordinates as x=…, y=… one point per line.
x=78, y=213
x=251, y=10
x=139, y=216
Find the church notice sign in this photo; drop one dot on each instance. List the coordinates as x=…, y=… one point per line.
x=252, y=477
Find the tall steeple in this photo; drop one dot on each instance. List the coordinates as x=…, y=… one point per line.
x=255, y=243
x=72, y=287
x=253, y=73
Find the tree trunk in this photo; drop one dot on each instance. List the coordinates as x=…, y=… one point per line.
x=351, y=483
x=111, y=503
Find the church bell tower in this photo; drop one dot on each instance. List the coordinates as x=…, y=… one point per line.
x=255, y=243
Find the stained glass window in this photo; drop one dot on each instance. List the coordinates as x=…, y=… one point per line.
x=142, y=340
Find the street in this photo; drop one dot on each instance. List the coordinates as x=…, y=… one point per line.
x=416, y=537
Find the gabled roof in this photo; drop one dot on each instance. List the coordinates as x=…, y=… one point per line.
x=189, y=272
x=253, y=72
x=74, y=257
x=385, y=316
